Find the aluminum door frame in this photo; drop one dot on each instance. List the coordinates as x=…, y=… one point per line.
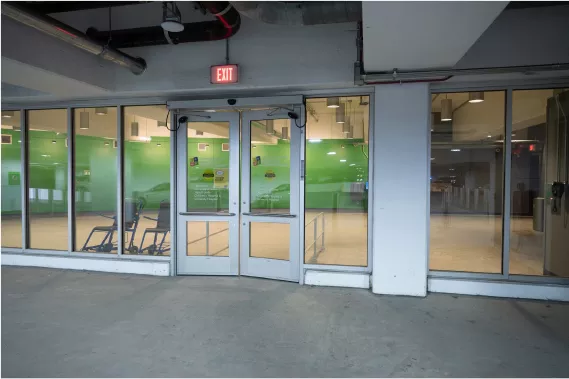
x=266, y=267
x=207, y=265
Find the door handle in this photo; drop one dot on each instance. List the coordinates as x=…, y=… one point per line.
x=284, y=215
x=206, y=214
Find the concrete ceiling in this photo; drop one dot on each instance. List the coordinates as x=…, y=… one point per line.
x=422, y=35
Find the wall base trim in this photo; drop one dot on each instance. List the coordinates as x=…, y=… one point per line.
x=534, y=291
x=156, y=268
x=337, y=279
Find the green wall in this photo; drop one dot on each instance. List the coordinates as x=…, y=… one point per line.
x=147, y=174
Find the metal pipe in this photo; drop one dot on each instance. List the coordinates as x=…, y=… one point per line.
x=441, y=75
x=65, y=33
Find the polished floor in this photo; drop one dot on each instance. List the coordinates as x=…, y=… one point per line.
x=457, y=242
x=59, y=323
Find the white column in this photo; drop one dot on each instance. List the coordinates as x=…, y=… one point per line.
x=401, y=187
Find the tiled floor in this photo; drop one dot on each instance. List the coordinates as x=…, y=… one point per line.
x=458, y=242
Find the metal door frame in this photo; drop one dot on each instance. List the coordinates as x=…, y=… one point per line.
x=207, y=265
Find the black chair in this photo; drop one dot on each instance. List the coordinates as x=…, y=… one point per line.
x=162, y=227
x=132, y=211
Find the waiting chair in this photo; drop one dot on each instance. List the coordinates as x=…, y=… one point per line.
x=132, y=211
x=162, y=227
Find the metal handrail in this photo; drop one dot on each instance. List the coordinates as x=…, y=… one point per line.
x=316, y=237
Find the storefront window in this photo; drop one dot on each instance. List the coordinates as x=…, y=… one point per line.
x=467, y=154
x=47, y=170
x=337, y=181
x=539, y=228
x=11, y=180
x=96, y=179
x=146, y=211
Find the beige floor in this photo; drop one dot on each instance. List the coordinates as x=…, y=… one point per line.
x=458, y=243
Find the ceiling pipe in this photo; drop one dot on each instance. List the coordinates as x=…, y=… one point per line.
x=65, y=33
x=227, y=24
x=414, y=76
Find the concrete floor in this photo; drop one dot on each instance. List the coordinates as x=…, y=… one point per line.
x=80, y=324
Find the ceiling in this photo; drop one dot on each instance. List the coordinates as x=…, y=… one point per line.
x=422, y=35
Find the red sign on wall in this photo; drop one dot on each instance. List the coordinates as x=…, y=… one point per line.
x=225, y=74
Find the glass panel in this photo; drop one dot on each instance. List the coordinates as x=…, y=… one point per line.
x=48, y=179
x=270, y=240
x=208, y=166
x=95, y=179
x=539, y=227
x=467, y=139
x=208, y=238
x=270, y=166
x=146, y=180
x=11, y=180
x=336, y=184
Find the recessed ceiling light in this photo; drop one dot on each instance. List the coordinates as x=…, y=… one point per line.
x=315, y=140
x=455, y=150
x=342, y=160
x=352, y=164
x=489, y=136
x=331, y=153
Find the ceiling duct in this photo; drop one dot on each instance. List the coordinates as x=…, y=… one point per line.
x=300, y=12
x=65, y=33
x=227, y=24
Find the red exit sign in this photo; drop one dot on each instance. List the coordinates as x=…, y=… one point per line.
x=225, y=74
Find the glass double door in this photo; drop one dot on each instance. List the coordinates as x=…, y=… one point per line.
x=238, y=194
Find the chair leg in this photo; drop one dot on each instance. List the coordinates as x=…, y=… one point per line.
x=141, y=248
x=162, y=242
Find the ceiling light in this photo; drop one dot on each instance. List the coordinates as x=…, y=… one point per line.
x=209, y=110
x=158, y=144
x=331, y=153
x=315, y=140
x=284, y=133
x=7, y=114
x=446, y=109
x=101, y=111
x=107, y=144
x=134, y=129
x=346, y=125
x=455, y=150
x=171, y=17
x=489, y=136
x=475, y=97
x=342, y=160
x=333, y=102
x=53, y=141
x=146, y=139
x=341, y=114
x=352, y=164
x=270, y=127
x=84, y=120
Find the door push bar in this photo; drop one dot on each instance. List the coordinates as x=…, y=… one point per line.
x=285, y=215
x=206, y=214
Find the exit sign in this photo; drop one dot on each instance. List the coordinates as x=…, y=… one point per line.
x=225, y=74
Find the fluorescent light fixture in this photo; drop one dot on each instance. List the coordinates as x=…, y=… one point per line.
x=84, y=120
x=333, y=102
x=209, y=110
x=270, y=127
x=134, y=129
x=455, y=150
x=107, y=144
x=342, y=160
x=284, y=132
x=331, y=153
x=352, y=164
x=489, y=136
x=451, y=169
x=446, y=109
x=101, y=111
x=341, y=114
x=7, y=114
x=475, y=97
x=314, y=140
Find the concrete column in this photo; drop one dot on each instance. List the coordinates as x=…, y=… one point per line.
x=401, y=187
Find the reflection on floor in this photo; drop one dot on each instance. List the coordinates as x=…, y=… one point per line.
x=457, y=242
x=473, y=243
